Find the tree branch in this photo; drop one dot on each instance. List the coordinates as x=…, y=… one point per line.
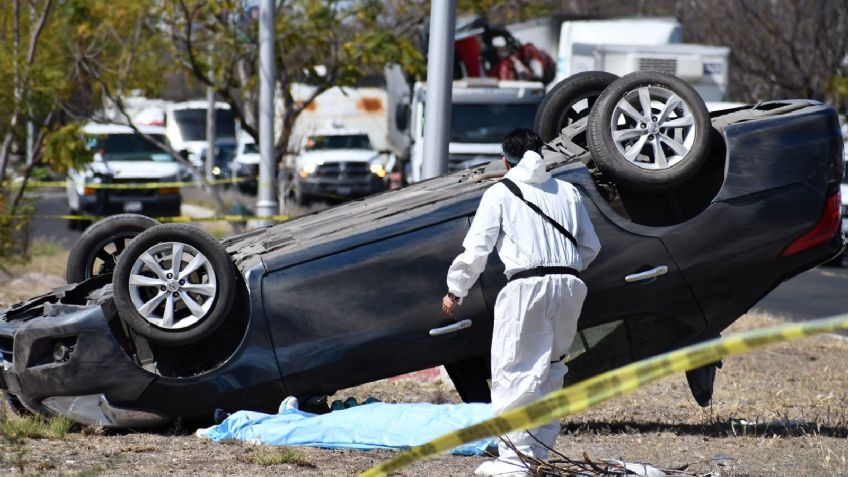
x=36, y=34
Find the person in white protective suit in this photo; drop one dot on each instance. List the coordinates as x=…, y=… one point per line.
x=536, y=312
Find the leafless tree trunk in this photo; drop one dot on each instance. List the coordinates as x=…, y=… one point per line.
x=780, y=48
x=20, y=79
x=13, y=122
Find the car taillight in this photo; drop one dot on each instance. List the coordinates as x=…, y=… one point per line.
x=89, y=191
x=823, y=231
x=169, y=190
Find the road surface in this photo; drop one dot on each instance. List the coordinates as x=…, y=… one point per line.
x=51, y=230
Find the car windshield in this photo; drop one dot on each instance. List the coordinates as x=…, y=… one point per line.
x=129, y=147
x=223, y=154
x=338, y=141
x=192, y=124
x=489, y=123
x=250, y=148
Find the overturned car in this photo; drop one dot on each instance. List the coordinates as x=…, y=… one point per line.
x=699, y=215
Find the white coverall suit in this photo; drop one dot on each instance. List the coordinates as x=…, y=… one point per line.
x=536, y=317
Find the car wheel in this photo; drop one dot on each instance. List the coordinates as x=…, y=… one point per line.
x=569, y=102
x=174, y=284
x=300, y=198
x=649, y=131
x=97, y=250
x=469, y=378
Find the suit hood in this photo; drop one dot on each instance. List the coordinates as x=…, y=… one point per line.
x=530, y=170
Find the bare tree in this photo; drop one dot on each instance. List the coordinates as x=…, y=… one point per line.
x=780, y=48
x=21, y=77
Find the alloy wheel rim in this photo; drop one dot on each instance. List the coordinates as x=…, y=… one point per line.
x=103, y=261
x=172, y=285
x=653, y=128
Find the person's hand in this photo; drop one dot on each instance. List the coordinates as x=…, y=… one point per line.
x=449, y=303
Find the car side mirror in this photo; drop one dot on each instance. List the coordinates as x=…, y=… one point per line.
x=402, y=116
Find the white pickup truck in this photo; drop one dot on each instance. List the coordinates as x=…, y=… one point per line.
x=338, y=164
x=125, y=158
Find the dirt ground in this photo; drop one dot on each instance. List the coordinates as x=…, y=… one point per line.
x=782, y=410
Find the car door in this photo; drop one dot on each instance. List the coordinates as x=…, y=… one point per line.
x=372, y=311
x=638, y=303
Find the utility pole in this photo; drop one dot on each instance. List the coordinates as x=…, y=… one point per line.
x=210, y=122
x=266, y=197
x=437, y=114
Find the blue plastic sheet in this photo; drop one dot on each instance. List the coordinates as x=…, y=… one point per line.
x=371, y=426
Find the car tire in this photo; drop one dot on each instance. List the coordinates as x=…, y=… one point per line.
x=568, y=102
x=97, y=250
x=300, y=198
x=654, y=150
x=169, y=305
x=469, y=377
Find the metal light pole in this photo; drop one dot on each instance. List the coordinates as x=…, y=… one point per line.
x=210, y=125
x=437, y=115
x=266, y=198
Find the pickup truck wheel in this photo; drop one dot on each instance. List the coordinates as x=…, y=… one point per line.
x=174, y=284
x=568, y=102
x=649, y=131
x=300, y=198
x=97, y=250
x=72, y=224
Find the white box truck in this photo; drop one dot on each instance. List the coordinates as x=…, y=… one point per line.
x=483, y=112
x=625, y=45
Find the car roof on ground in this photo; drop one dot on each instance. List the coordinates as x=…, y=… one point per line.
x=113, y=128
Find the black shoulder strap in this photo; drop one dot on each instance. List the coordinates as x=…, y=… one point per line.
x=515, y=190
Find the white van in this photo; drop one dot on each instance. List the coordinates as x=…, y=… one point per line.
x=246, y=164
x=123, y=157
x=185, y=126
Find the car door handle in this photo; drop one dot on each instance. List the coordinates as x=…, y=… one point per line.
x=646, y=275
x=452, y=328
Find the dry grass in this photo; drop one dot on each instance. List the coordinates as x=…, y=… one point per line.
x=34, y=427
x=782, y=410
x=46, y=258
x=776, y=411
x=267, y=456
x=17, y=431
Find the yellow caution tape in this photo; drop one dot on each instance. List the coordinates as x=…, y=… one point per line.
x=586, y=394
x=140, y=185
x=168, y=219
